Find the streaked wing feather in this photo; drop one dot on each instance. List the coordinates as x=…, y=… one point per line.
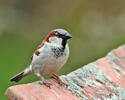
x=36, y=51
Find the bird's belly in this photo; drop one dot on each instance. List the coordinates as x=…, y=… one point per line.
x=48, y=66
x=50, y=69
x=53, y=65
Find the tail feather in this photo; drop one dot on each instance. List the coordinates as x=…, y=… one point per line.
x=18, y=77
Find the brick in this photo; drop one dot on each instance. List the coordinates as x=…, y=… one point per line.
x=112, y=71
x=35, y=91
x=103, y=79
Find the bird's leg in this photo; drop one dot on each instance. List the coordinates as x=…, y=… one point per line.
x=58, y=79
x=45, y=82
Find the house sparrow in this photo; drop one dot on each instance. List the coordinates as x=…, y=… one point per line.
x=49, y=57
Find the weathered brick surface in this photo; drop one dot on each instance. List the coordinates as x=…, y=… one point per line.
x=103, y=79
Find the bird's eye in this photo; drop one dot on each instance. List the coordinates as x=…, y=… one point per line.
x=60, y=35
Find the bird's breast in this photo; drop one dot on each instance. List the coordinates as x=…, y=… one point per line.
x=57, y=52
x=50, y=60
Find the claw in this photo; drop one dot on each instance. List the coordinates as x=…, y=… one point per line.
x=58, y=79
x=45, y=82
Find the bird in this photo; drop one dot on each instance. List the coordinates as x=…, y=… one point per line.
x=48, y=58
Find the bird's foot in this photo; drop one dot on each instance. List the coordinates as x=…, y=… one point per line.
x=58, y=79
x=44, y=82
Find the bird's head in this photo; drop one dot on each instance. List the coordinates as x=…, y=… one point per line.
x=58, y=36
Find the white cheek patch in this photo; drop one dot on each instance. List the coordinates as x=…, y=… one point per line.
x=55, y=40
x=52, y=38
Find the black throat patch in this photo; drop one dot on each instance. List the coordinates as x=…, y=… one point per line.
x=64, y=41
x=58, y=52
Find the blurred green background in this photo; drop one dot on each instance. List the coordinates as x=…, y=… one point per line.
x=97, y=26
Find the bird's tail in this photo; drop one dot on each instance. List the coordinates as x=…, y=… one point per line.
x=22, y=74
x=18, y=77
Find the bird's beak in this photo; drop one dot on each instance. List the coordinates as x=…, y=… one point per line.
x=68, y=36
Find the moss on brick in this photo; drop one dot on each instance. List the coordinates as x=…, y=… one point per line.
x=75, y=79
x=114, y=59
x=120, y=91
x=73, y=87
x=91, y=71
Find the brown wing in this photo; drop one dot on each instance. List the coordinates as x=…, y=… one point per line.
x=47, y=40
x=36, y=51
